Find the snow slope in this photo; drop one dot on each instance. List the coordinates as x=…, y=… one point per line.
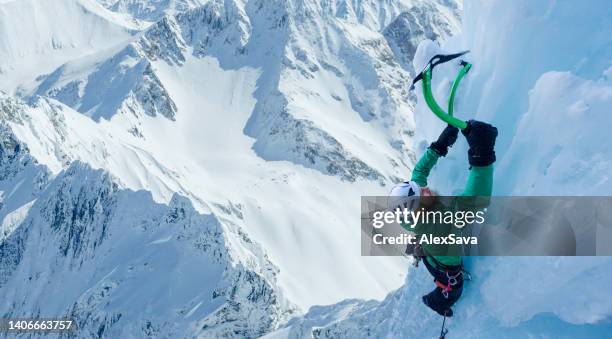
x=542, y=76
x=38, y=36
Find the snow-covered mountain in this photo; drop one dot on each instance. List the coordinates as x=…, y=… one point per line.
x=296, y=58
x=38, y=36
x=82, y=246
x=552, y=112
x=192, y=168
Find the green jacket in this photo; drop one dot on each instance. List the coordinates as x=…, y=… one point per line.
x=479, y=183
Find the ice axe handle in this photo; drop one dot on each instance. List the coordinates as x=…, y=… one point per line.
x=433, y=105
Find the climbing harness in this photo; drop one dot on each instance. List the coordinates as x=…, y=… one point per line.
x=452, y=276
x=451, y=281
x=426, y=76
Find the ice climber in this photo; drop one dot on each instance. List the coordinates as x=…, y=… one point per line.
x=444, y=262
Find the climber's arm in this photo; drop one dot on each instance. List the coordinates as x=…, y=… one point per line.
x=437, y=149
x=423, y=167
x=480, y=181
x=481, y=156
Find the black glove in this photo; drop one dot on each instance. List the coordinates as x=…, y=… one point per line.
x=446, y=139
x=481, y=138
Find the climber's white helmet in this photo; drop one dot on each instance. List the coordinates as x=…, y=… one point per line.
x=404, y=195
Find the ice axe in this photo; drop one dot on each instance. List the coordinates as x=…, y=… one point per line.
x=426, y=75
